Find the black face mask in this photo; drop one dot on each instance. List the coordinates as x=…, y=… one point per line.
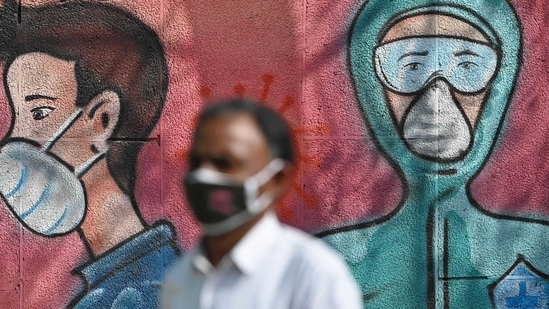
x=222, y=204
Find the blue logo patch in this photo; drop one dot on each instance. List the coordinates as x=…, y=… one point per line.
x=523, y=287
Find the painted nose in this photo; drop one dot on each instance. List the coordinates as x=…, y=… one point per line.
x=439, y=83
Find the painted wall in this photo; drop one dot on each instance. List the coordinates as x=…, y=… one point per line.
x=445, y=213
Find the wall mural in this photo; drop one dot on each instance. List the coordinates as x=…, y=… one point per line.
x=419, y=129
x=445, y=74
x=82, y=81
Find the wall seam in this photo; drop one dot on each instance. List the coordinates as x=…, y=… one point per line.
x=302, y=107
x=161, y=141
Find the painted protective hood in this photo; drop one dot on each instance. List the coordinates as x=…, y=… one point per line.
x=370, y=26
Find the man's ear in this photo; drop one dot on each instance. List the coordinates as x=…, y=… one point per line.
x=102, y=114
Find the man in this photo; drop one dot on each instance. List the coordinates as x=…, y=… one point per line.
x=240, y=165
x=434, y=80
x=86, y=83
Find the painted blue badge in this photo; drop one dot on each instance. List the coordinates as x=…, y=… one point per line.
x=523, y=287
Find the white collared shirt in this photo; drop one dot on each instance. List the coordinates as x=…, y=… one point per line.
x=272, y=266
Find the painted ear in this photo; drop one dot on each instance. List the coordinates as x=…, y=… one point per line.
x=103, y=113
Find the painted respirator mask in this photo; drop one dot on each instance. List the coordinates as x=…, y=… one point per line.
x=430, y=67
x=40, y=189
x=222, y=204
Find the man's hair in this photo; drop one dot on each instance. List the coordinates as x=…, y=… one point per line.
x=270, y=123
x=112, y=50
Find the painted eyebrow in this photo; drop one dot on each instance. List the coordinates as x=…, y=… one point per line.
x=38, y=96
x=423, y=53
x=466, y=52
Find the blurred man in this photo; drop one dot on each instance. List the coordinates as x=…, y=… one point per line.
x=240, y=165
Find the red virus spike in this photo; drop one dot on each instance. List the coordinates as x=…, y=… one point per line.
x=285, y=211
x=314, y=161
x=310, y=200
x=181, y=154
x=288, y=103
x=320, y=129
x=239, y=90
x=205, y=92
x=267, y=82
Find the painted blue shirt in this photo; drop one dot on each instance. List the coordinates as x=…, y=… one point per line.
x=130, y=275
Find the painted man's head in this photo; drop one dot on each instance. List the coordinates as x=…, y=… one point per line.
x=92, y=57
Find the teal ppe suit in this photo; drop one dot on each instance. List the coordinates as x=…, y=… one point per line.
x=439, y=248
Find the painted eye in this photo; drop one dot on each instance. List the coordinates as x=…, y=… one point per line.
x=467, y=65
x=41, y=112
x=414, y=66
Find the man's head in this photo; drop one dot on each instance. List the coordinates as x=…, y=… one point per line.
x=93, y=56
x=241, y=153
x=270, y=124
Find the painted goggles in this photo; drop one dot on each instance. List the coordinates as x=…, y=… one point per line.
x=407, y=65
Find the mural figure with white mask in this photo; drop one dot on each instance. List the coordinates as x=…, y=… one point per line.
x=434, y=81
x=431, y=69
x=86, y=83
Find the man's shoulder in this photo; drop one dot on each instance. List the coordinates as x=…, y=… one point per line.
x=323, y=279
x=180, y=269
x=306, y=242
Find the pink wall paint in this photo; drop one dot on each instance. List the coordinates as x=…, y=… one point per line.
x=292, y=55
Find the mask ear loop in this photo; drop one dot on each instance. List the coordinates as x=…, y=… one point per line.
x=275, y=166
x=251, y=186
x=62, y=129
x=84, y=167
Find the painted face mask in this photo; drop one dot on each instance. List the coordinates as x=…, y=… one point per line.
x=408, y=65
x=222, y=204
x=40, y=189
x=435, y=127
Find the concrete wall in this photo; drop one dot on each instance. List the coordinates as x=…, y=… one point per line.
x=447, y=213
